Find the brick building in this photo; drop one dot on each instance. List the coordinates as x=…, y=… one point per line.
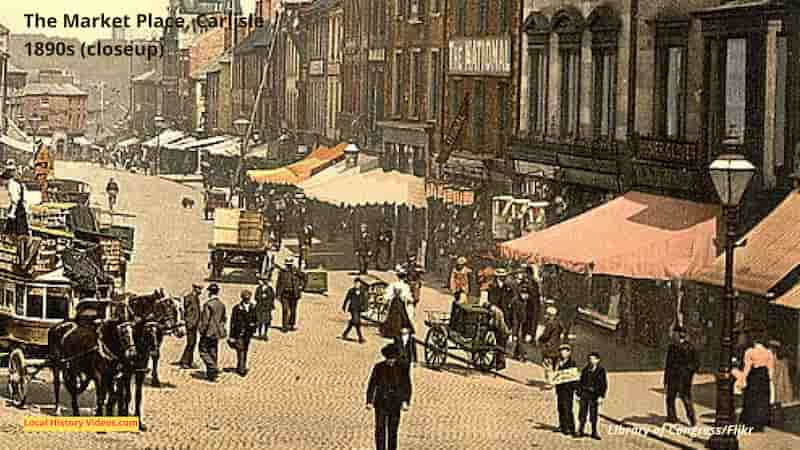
x=3, y=76
x=62, y=108
x=414, y=55
x=354, y=121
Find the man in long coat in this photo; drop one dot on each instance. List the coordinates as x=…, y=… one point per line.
x=265, y=304
x=243, y=326
x=389, y=393
x=364, y=249
x=679, y=369
x=191, y=313
x=355, y=302
x=291, y=282
x=212, y=329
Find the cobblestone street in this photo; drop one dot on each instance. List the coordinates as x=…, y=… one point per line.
x=305, y=389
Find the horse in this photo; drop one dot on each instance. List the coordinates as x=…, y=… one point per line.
x=92, y=351
x=156, y=315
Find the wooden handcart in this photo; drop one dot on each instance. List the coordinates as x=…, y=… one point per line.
x=467, y=328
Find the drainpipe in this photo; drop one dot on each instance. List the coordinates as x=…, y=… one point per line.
x=633, y=56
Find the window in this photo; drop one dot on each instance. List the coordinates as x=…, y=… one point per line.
x=483, y=16
x=505, y=14
x=605, y=73
x=436, y=79
x=436, y=6
x=670, y=94
x=502, y=112
x=413, y=8
x=570, y=91
x=735, y=90
x=537, y=90
x=456, y=97
x=380, y=89
x=57, y=303
x=417, y=81
x=478, y=137
x=397, y=87
x=461, y=17
x=400, y=7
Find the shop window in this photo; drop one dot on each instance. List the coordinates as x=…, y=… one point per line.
x=57, y=303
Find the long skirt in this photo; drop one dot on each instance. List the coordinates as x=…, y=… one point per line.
x=756, y=399
x=396, y=319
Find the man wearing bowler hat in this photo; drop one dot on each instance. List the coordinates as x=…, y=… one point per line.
x=191, y=312
x=389, y=393
x=243, y=325
x=289, y=289
x=355, y=302
x=212, y=329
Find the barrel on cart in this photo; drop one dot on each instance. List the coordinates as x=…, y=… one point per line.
x=240, y=241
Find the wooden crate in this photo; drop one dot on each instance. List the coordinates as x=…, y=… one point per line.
x=226, y=236
x=317, y=281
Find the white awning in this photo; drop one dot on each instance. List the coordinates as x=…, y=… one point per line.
x=16, y=145
x=128, y=142
x=229, y=148
x=193, y=144
x=375, y=187
x=82, y=141
x=166, y=137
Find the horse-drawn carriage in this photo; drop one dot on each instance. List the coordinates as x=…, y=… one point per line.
x=378, y=304
x=241, y=241
x=469, y=328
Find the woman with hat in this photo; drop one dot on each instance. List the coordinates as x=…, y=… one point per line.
x=460, y=279
x=398, y=295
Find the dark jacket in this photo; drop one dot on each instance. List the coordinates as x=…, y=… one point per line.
x=291, y=283
x=551, y=338
x=408, y=352
x=503, y=297
x=265, y=302
x=389, y=386
x=681, y=365
x=243, y=322
x=594, y=383
x=567, y=388
x=364, y=243
x=355, y=302
x=212, y=319
x=191, y=310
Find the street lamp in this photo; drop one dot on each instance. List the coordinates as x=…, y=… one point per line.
x=161, y=123
x=240, y=125
x=351, y=155
x=731, y=174
x=34, y=122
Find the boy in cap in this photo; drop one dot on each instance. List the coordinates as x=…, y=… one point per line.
x=565, y=392
x=243, y=325
x=591, y=391
x=389, y=393
x=212, y=329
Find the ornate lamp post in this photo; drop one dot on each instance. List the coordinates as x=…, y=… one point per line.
x=351, y=155
x=33, y=122
x=731, y=175
x=240, y=125
x=161, y=124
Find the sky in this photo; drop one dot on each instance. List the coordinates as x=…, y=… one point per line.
x=12, y=14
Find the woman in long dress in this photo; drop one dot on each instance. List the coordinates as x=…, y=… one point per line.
x=759, y=368
x=399, y=296
x=782, y=389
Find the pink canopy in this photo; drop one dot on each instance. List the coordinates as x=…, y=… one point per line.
x=635, y=236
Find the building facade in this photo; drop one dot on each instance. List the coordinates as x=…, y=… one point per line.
x=3, y=76
x=62, y=109
x=354, y=121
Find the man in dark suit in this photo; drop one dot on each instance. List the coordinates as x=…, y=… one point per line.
x=191, y=312
x=355, y=302
x=550, y=340
x=364, y=250
x=389, y=393
x=681, y=365
x=530, y=287
x=591, y=391
x=565, y=393
x=291, y=282
x=211, y=329
x=265, y=304
x=243, y=325
x=408, y=347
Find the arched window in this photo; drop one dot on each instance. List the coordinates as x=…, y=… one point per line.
x=537, y=27
x=569, y=24
x=604, y=24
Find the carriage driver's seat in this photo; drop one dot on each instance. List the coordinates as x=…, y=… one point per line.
x=90, y=311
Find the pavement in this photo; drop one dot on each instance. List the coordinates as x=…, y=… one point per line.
x=306, y=389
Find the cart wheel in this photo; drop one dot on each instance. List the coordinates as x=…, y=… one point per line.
x=436, y=347
x=484, y=359
x=17, y=378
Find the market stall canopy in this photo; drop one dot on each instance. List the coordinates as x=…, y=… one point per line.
x=259, y=152
x=319, y=160
x=228, y=148
x=772, y=252
x=82, y=141
x=16, y=145
x=193, y=144
x=128, y=142
x=635, y=236
x=166, y=137
x=356, y=188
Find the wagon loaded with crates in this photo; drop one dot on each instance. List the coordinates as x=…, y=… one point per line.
x=467, y=328
x=240, y=242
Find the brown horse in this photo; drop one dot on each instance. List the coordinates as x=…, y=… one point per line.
x=156, y=315
x=87, y=353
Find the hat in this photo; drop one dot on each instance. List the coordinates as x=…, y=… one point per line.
x=595, y=354
x=551, y=311
x=197, y=286
x=358, y=279
x=412, y=257
x=461, y=260
x=500, y=272
x=246, y=294
x=289, y=261
x=400, y=269
x=213, y=288
x=11, y=165
x=390, y=351
x=564, y=347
